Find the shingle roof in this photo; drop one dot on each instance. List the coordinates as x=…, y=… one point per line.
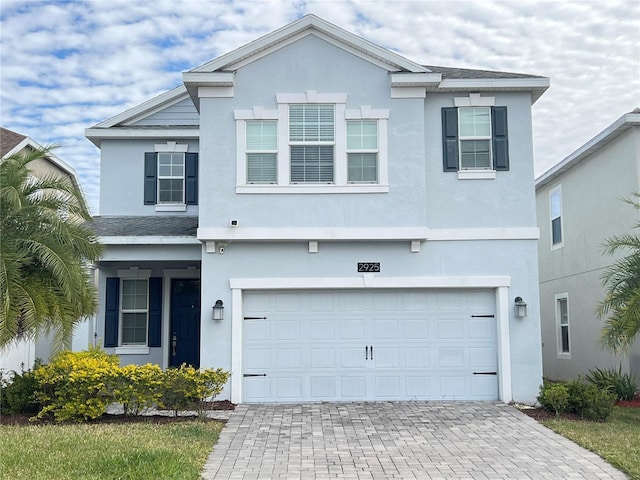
x=169, y=226
x=8, y=140
x=469, y=73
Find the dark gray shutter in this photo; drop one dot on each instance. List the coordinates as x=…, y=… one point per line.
x=155, y=311
x=450, y=139
x=150, y=182
x=112, y=312
x=191, y=178
x=500, y=138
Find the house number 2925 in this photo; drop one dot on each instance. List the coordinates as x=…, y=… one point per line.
x=369, y=267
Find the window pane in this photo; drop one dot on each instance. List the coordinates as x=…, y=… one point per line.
x=311, y=164
x=475, y=154
x=170, y=191
x=556, y=231
x=262, y=135
x=363, y=167
x=261, y=168
x=362, y=135
x=134, y=294
x=311, y=123
x=170, y=164
x=565, y=338
x=134, y=328
x=556, y=204
x=475, y=122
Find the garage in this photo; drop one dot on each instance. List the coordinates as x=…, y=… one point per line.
x=369, y=345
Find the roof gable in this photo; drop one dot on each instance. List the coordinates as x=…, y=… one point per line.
x=310, y=25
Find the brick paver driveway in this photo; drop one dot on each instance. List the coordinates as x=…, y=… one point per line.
x=407, y=440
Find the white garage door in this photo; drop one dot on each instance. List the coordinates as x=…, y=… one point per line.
x=369, y=345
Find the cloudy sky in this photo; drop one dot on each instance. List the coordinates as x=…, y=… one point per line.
x=67, y=65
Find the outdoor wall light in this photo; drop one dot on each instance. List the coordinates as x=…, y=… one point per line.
x=218, y=310
x=520, y=307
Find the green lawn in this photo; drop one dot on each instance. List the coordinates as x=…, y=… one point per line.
x=617, y=440
x=133, y=451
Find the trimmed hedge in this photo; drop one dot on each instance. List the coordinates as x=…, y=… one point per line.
x=577, y=397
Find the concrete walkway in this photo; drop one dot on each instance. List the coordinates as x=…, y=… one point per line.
x=404, y=440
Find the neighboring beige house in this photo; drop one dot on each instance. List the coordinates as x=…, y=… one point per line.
x=579, y=205
x=23, y=354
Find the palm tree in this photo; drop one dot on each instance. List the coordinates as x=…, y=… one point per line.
x=45, y=248
x=622, y=296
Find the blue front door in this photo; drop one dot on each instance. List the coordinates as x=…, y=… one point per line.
x=185, y=323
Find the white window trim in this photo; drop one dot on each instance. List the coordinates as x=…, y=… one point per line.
x=130, y=274
x=172, y=147
x=340, y=184
x=475, y=100
x=560, y=244
x=562, y=296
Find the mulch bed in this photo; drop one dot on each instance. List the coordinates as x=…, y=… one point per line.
x=540, y=414
x=25, y=419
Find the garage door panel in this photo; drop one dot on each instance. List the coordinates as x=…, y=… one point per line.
x=416, y=357
x=450, y=328
x=352, y=357
x=315, y=346
x=323, y=388
x=323, y=358
x=418, y=388
x=352, y=329
x=257, y=358
x=288, y=359
x=385, y=329
x=322, y=330
x=353, y=387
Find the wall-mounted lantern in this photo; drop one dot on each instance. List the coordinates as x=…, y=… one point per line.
x=520, y=307
x=218, y=310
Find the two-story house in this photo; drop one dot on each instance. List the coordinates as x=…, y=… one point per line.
x=329, y=221
x=22, y=354
x=580, y=205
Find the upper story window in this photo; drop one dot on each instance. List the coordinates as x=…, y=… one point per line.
x=312, y=144
x=170, y=177
x=362, y=151
x=555, y=215
x=262, y=151
x=475, y=137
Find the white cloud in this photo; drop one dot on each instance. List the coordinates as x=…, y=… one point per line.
x=69, y=65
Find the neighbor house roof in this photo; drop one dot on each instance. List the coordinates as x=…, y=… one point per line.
x=12, y=143
x=617, y=128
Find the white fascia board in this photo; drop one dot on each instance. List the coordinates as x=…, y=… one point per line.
x=147, y=240
x=536, y=85
x=464, y=234
x=369, y=281
x=617, y=128
x=151, y=105
x=309, y=22
x=306, y=234
x=366, y=234
x=98, y=134
x=415, y=79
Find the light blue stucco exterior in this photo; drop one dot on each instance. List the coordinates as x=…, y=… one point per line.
x=428, y=229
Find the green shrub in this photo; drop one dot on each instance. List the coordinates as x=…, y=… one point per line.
x=622, y=385
x=137, y=387
x=554, y=397
x=77, y=385
x=599, y=404
x=186, y=386
x=18, y=394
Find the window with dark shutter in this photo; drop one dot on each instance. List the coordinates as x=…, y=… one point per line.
x=112, y=312
x=170, y=178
